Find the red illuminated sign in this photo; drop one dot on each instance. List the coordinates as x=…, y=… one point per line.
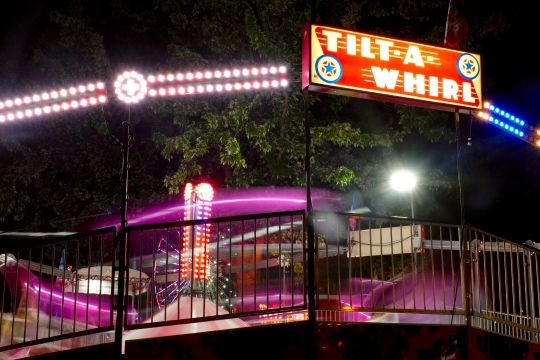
x=351, y=63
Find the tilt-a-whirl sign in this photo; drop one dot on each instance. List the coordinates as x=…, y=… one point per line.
x=351, y=63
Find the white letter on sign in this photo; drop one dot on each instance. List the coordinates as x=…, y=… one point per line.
x=366, y=48
x=450, y=89
x=409, y=82
x=467, y=92
x=385, y=78
x=384, y=46
x=351, y=44
x=331, y=39
x=414, y=56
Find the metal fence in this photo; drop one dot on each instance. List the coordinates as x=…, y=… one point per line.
x=248, y=265
x=57, y=290
x=505, y=282
x=382, y=265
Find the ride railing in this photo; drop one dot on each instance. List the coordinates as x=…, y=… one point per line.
x=242, y=266
x=373, y=265
x=505, y=282
x=59, y=290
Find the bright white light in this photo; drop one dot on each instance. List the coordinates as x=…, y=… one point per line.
x=102, y=99
x=170, y=77
x=284, y=83
x=403, y=181
x=11, y=116
x=237, y=86
x=74, y=104
x=100, y=85
x=181, y=90
x=2, y=118
x=264, y=71
x=120, y=78
x=54, y=94
x=84, y=102
x=91, y=87
x=282, y=69
x=200, y=89
x=228, y=87
x=45, y=96
x=46, y=109
x=245, y=72
x=161, y=78
x=255, y=71
x=18, y=101
x=82, y=89
x=65, y=106
x=28, y=113
x=27, y=99
x=275, y=83
x=63, y=92
x=37, y=111
x=172, y=91
x=265, y=84
x=152, y=92
x=20, y=115
x=190, y=89
x=151, y=78
x=208, y=75
x=273, y=70
x=189, y=76
x=9, y=103
x=162, y=92
x=126, y=74
x=219, y=87
x=217, y=74
x=198, y=75
x=209, y=88
x=93, y=100
x=227, y=73
x=247, y=86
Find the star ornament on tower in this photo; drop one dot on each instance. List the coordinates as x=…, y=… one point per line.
x=131, y=87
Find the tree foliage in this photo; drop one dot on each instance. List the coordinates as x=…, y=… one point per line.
x=64, y=166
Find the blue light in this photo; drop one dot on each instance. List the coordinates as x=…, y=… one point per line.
x=517, y=132
x=497, y=110
x=502, y=112
x=501, y=124
x=491, y=118
x=512, y=117
x=506, y=127
x=521, y=123
x=511, y=128
x=496, y=121
x=521, y=133
x=517, y=119
x=491, y=107
x=507, y=115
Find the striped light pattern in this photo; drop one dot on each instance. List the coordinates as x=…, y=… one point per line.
x=510, y=123
x=217, y=81
x=195, y=239
x=52, y=101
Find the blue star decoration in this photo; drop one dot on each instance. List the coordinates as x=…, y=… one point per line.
x=469, y=65
x=329, y=68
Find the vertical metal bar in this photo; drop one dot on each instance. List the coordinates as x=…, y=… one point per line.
x=205, y=277
x=392, y=263
x=465, y=249
x=316, y=265
x=230, y=261
x=27, y=291
x=327, y=268
x=101, y=279
x=512, y=278
x=519, y=285
x=243, y=257
x=52, y=287
x=65, y=250
x=39, y=290
x=431, y=254
x=506, y=282
x=498, y=276
x=15, y=310
x=255, y=263
x=349, y=261
x=167, y=273
x=537, y=286
x=77, y=288
x=292, y=262
x=371, y=264
x=414, y=267
x=88, y=280
x=139, y=300
x=193, y=242
x=485, y=273
x=452, y=262
x=493, y=308
x=217, y=271
x=382, y=267
x=154, y=266
x=339, y=271
x=442, y=268
x=267, y=264
x=360, y=263
x=4, y=288
x=423, y=277
x=401, y=240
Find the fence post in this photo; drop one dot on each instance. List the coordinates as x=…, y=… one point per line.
x=311, y=284
x=466, y=285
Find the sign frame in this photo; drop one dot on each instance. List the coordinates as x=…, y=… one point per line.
x=335, y=88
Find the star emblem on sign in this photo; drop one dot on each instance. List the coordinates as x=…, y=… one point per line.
x=328, y=69
x=468, y=66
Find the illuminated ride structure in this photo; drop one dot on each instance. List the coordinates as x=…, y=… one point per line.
x=195, y=272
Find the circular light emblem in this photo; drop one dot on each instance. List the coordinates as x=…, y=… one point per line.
x=130, y=87
x=468, y=66
x=328, y=69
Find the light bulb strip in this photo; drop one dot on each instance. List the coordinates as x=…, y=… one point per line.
x=226, y=75
x=192, y=89
x=50, y=97
x=495, y=111
x=523, y=132
x=53, y=107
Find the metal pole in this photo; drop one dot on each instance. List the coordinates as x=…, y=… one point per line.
x=122, y=240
